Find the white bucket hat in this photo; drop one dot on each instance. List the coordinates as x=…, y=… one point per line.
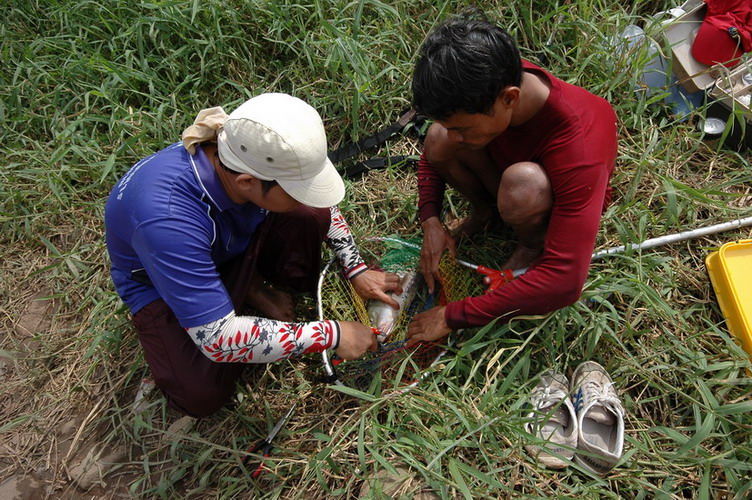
x=280, y=137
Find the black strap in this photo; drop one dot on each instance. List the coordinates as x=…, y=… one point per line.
x=362, y=167
x=408, y=117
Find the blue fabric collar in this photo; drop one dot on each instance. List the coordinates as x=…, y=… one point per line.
x=210, y=181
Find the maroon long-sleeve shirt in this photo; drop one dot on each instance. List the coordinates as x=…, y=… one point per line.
x=573, y=137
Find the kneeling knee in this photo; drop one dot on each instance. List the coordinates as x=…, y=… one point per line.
x=200, y=401
x=204, y=407
x=525, y=194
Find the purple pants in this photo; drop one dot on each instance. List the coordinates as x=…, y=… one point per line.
x=287, y=252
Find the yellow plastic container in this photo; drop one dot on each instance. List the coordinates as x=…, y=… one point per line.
x=730, y=270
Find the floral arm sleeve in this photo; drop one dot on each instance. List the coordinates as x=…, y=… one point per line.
x=341, y=241
x=250, y=339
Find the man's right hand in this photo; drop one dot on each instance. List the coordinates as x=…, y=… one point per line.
x=355, y=339
x=436, y=239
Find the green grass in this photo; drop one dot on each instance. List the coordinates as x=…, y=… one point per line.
x=88, y=88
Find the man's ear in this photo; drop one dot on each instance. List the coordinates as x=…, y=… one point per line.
x=509, y=96
x=245, y=181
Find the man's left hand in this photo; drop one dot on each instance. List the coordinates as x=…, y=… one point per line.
x=428, y=326
x=373, y=284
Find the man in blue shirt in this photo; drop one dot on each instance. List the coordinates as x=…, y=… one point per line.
x=200, y=227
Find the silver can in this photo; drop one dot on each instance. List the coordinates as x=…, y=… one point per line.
x=712, y=126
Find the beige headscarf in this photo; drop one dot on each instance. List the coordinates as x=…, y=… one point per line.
x=205, y=127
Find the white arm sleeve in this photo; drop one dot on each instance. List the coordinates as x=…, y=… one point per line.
x=250, y=339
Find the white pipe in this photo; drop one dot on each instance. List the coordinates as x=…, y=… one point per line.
x=673, y=238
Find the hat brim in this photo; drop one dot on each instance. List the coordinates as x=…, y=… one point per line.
x=325, y=189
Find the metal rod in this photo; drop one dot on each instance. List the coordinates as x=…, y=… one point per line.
x=673, y=238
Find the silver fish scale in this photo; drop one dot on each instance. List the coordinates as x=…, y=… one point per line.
x=383, y=317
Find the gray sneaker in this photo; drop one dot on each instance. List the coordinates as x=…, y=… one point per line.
x=552, y=420
x=600, y=417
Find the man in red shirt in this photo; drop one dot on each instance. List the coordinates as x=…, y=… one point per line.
x=519, y=144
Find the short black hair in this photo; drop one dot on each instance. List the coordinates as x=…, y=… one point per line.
x=463, y=66
x=266, y=186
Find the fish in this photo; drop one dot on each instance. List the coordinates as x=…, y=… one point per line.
x=384, y=317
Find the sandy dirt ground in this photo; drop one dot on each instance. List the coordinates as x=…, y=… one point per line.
x=47, y=449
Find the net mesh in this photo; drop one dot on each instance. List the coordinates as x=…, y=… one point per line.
x=394, y=361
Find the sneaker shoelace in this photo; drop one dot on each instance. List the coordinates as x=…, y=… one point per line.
x=547, y=398
x=548, y=395
x=605, y=398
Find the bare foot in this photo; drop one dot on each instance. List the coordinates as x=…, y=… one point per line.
x=472, y=224
x=271, y=302
x=522, y=257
